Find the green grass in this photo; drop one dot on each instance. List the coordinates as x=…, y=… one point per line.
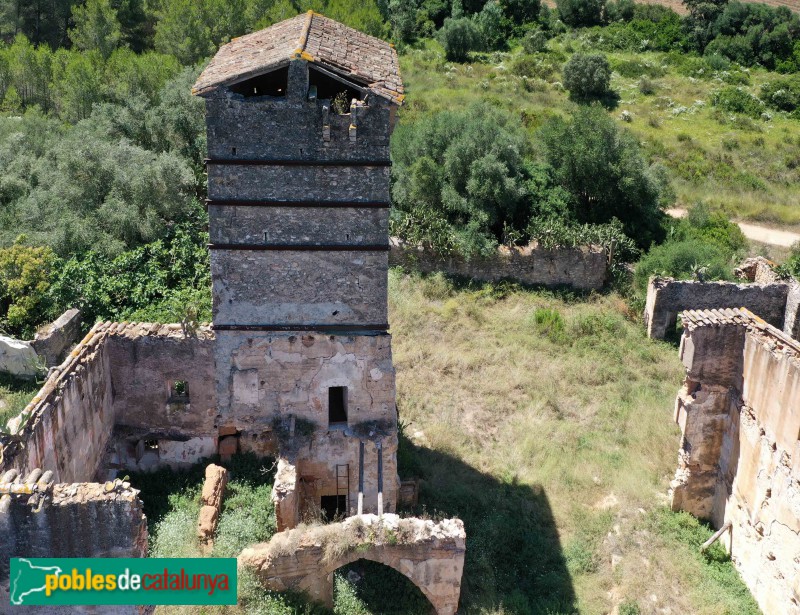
x=747, y=167
x=15, y=394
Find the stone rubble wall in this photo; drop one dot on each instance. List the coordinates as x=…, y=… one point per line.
x=667, y=297
x=76, y=520
x=582, y=268
x=739, y=460
x=430, y=554
x=66, y=426
x=52, y=342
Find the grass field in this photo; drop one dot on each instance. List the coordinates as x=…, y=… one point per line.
x=544, y=421
x=749, y=168
x=15, y=393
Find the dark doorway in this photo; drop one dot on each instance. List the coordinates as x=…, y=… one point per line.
x=337, y=405
x=334, y=506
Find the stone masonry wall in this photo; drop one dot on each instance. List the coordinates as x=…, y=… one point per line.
x=77, y=520
x=584, y=268
x=297, y=225
x=739, y=460
x=67, y=425
x=288, y=287
x=281, y=374
x=666, y=298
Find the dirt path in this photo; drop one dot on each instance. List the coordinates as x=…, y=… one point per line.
x=762, y=234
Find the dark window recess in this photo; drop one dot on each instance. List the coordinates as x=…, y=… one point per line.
x=270, y=84
x=151, y=445
x=337, y=405
x=329, y=88
x=179, y=391
x=334, y=506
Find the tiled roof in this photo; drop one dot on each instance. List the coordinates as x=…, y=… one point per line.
x=313, y=37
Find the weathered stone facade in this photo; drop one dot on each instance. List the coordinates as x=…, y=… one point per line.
x=739, y=461
x=69, y=520
x=581, y=268
x=430, y=554
x=667, y=297
x=299, y=215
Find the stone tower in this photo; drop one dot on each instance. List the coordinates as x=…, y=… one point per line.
x=298, y=120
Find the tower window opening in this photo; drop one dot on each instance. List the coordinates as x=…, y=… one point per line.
x=337, y=405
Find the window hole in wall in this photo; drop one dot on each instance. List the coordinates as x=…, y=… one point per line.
x=151, y=445
x=179, y=391
x=329, y=88
x=337, y=405
x=269, y=84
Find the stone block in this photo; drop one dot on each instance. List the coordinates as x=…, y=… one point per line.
x=18, y=358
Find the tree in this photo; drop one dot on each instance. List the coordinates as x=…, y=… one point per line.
x=493, y=25
x=363, y=15
x=602, y=167
x=521, y=11
x=459, y=37
x=403, y=19
x=24, y=281
x=581, y=13
x=587, y=76
x=96, y=27
x=461, y=177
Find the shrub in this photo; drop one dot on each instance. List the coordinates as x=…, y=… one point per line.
x=646, y=86
x=737, y=100
x=460, y=179
x=493, y=26
x=581, y=13
x=24, y=281
x=602, y=167
x=782, y=94
x=534, y=41
x=684, y=260
x=550, y=323
x=459, y=37
x=587, y=76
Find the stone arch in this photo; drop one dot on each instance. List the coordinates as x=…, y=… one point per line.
x=388, y=557
x=429, y=595
x=430, y=555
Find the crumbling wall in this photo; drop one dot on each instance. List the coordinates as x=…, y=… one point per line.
x=582, y=268
x=667, y=297
x=53, y=341
x=430, y=554
x=67, y=425
x=75, y=520
x=739, y=460
x=155, y=424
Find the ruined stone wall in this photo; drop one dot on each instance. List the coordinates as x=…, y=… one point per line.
x=666, y=298
x=740, y=457
x=67, y=425
x=53, y=341
x=430, y=554
x=76, y=520
x=584, y=268
x=146, y=360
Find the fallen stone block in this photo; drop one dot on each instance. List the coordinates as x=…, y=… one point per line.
x=18, y=358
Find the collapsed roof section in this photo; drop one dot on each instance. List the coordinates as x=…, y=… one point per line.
x=365, y=60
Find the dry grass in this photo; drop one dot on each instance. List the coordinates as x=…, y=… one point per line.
x=580, y=412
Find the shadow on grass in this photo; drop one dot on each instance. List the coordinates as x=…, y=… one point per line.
x=158, y=487
x=514, y=558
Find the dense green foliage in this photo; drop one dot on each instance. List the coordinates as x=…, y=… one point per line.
x=702, y=246
x=602, y=168
x=587, y=76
